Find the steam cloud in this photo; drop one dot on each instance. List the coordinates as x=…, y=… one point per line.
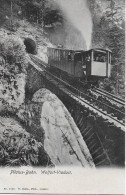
x=78, y=13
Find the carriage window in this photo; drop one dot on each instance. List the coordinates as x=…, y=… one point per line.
x=64, y=54
x=54, y=54
x=51, y=53
x=99, y=56
x=69, y=56
x=61, y=54
x=109, y=58
x=57, y=55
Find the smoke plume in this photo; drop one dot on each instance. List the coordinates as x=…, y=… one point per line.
x=77, y=12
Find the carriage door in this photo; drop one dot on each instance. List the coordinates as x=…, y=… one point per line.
x=78, y=65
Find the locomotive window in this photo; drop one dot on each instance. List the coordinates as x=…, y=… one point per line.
x=87, y=58
x=99, y=56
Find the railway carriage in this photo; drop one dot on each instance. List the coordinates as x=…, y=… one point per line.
x=94, y=63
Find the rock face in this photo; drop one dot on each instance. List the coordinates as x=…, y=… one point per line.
x=17, y=146
x=13, y=65
x=62, y=139
x=11, y=98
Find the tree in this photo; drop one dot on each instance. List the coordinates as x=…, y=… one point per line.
x=108, y=32
x=114, y=13
x=33, y=10
x=115, y=40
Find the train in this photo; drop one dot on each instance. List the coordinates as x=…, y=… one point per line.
x=85, y=65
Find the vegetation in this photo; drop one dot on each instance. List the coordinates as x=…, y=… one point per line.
x=41, y=12
x=12, y=72
x=19, y=148
x=109, y=32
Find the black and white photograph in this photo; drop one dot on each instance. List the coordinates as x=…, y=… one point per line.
x=62, y=94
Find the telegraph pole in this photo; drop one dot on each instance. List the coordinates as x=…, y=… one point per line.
x=43, y=13
x=11, y=19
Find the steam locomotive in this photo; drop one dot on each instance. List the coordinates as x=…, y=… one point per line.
x=94, y=63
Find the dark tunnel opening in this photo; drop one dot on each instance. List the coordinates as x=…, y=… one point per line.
x=31, y=46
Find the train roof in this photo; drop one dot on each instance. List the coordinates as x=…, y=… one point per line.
x=79, y=51
x=101, y=49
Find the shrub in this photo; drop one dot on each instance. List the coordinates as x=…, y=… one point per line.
x=13, y=65
x=12, y=49
x=18, y=148
x=108, y=85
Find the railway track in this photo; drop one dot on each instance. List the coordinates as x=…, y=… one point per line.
x=112, y=114
x=38, y=61
x=110, y=96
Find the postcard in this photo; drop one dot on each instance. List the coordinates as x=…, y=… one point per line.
x=62, y=97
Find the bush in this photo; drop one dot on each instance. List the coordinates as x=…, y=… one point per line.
x=18, y=148
x=30, y=46
x=12, y=49
x=108, y=85
x=13, y=65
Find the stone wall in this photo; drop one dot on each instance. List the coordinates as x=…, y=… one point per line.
x=34, y=82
